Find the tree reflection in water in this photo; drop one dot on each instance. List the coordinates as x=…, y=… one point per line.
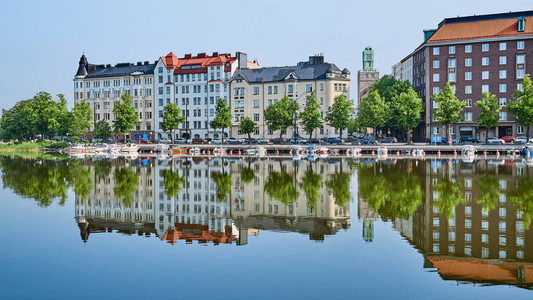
x=126, y=181
x=522, y=197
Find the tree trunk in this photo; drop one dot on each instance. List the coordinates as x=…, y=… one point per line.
x=528, y=133
x=249, y=139
x=280, y=135
x=310, y=135
x=450, y=142
x=408, y=136
x=222, y=135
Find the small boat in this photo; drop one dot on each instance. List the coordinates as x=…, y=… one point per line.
x=160, y=148
x=260, y=151
x=323, y=152
x=194, y=151
x=297, y=150
x=383, y=151
x=353, y=152
x=527, y=150
x=76, y=149
x=468, y=151
x=417, y=153
x=219, y=152
x=129, y=148
x=176, y=150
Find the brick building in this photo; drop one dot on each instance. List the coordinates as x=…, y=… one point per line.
x=475, y=54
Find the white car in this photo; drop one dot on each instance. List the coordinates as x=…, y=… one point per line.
x=520, y=140
x=234, y=141
x=216, y=141
x=493, y=140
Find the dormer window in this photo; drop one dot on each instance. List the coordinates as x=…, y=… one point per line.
x=521, y=24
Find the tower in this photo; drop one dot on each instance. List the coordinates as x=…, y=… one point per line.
x=367, y=76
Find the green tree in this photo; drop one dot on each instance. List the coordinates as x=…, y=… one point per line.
x=126, y=183
x=522, y=106
x=173, y=182
x=280, y=186
x=450, y=108
x=102, y=130
x=102, y=169
x=247, y=126
x=280, y=115
x=81, y=119
x=489, y=114
x=172, y=118
x=449, y=196
x=522, y=198
x=384, y=86
x=373, y=111
x=222, y=119
x=223, y=183
x=17, y=123
x=338, y=114
x=489, y=192
x=405, y=111
x=247, y=175
x=125, y=116
x=310, y=118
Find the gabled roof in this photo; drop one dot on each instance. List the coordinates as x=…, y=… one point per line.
x=302, y=72
x=197, y=64
x=122, y=69
x=484, y=26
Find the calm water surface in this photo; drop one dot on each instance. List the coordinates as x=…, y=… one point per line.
x=242, y=229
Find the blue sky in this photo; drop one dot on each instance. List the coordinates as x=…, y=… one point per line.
x=42, y=41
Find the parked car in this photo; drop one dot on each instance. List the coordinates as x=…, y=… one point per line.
x=180, y=141
x=387, y=140
x=520, y=140
x=368, y=140
x=278, y=141
x=234, y=141
x=334, y=140
x=216, y=141
x=262, y=141
x=298, y=141
x=313, y=141
x=508, y=138
x=249, y=141
x=493, y=140
x=468, y=140
x=200, y=141
x=164, y=140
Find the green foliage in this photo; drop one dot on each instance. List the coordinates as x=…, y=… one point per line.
x=80, y=177
x=247, y=175
x=126, y=181
x=173, y=182
x=338, y=185
x=125, y=116
x=489, y=192
x=280, y=186
x=172, y=119
x=405, y=110
x=247, y=126
x=522, y=106
x=373, y=111
x=102, y=130
x=310, y=184
x=338, y=114
x=450, y=107
x=449, y=196
x=57, y=145
x=489, y=114
x=81, y=119
x=102, y=169
x=223, y=183
x=310, y=118
x=280, y=115
x=384, y=86
x=390, y=191
x=522, y=198
x=222, y=119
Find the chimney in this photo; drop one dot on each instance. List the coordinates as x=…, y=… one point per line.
x=139, y=63
x=187, y=56
x=316, y=59
x=215, y=54
x=146, y=63
x=242, y=58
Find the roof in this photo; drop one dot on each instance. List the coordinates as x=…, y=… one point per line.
x=302, y=72
x=484, y=26
x=197, y=64
x=122, y=69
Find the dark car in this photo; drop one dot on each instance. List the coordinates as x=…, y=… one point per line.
x=387, y=140
x=368, y=140
x=278, y=141
x=467, y=140
x=313, y=141
x=249, y=141
x=334, y=140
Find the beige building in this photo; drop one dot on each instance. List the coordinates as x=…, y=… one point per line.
x=253, y=90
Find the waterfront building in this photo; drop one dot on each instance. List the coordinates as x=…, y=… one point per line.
x=475, y=54
x=403, y=71
x=102, y=86
x=253, y=90
x=195, y=84
x=367, y=76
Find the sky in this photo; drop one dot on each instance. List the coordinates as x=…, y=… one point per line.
x=42, y=41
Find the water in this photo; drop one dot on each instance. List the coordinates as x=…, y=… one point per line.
x=265, y=228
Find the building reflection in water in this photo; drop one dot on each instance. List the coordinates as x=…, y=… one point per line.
x=472, y=220
x=215, y=201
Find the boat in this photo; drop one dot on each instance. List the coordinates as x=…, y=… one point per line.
x=129, y=148
x=383, y=151
x=195, y=151
x=468, y=151
x=353, y=152
x=297, y=150
x=323, y=152
x=527, y=150
x=260, y=151
x=76, y=149
x=219, y=152
x=175, y=150
x=418, y=152
x=160, y=148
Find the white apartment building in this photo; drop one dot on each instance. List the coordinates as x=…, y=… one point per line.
x=195, y=84
x=103, y=85
x=403, y=71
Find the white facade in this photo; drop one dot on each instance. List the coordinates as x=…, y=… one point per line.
x=403, y=71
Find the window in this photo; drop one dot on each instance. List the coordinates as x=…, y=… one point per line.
x=468, y=116
x=451, y=77
x=484, y=61
x=503, y=60
x=256, y=103
x=436, y=51
x=256, y=90
x=435, y=105
x=520, y=129
x=308, y=88
x=290, y=89
x=520, y=45
x=503, y=88
x=436, y=90
x=451, y=63
x=468, y=62
x=321, y=86
x=468, y=103
x=485, y=75
x=256, y=117
x=275, y=89
x=468, y=49
x=503, y=101
x=436, y=77
x=468, y=75
x=485, y=47
x=468, y=89
x=485, y=88
x=520, y=87
x=503, y=46
x=269, y=89
x=451, y=50
x=436, y=64
x=520, y=59
x=503, y=115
